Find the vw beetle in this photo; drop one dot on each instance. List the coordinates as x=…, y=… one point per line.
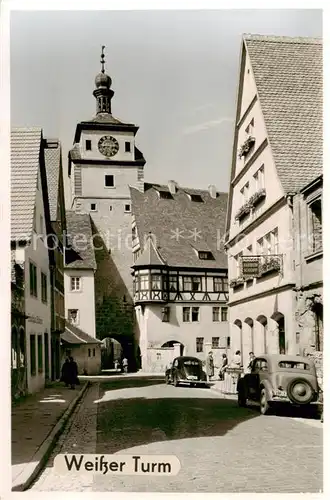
x=186, y=370
x=279, y=378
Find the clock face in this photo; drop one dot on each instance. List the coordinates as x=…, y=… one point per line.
x=108, y=146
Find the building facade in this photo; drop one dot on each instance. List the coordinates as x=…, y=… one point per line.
x=85, y=350
x=307, y=207
x=277, y=151
x=30, y=227
x=79, y=273
x=55, y=184
x=18, y=345
x=180, y=273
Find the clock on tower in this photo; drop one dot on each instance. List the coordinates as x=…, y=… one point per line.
x=108, y=146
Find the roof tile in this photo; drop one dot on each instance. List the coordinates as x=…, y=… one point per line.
x=179, y=223
x=80, y=238
x=25, y=151
x=53, y=162
x=288, y=75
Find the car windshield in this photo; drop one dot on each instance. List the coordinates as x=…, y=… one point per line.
x=295, y=365
x=191, y=362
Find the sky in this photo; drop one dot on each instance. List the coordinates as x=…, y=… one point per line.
x=174, y=74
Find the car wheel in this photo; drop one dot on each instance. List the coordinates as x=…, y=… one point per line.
x=300, y=391
x=241, y=399
x=264, y=404
x=167, y=380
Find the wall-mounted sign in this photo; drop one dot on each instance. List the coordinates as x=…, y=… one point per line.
x=250, y=267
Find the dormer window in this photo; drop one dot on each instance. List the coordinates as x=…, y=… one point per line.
x=127, y=147
x=165, y=195
x=196, y=198
x=88, y=145
x=205, y=255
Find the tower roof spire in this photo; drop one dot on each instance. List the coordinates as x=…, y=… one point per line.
x=102, y=59
x=103, y=92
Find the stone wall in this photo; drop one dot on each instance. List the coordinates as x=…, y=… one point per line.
x=309, y=321
x=159, y=358
x=114, y=310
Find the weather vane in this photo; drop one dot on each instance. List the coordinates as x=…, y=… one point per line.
x=102, y=59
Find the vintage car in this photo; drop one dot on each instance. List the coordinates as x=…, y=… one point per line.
x=279, y=378
x=186, y=370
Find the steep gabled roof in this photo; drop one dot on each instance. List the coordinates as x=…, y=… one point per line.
x=179, y=225
x=53, y=166
x=150, y=255
x=74, y=335
x=288, y=76
x=25, y=162
x=80, y=239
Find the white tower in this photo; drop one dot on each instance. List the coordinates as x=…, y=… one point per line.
x=103, y=162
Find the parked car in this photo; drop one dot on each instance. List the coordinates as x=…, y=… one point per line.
x=279, y=378
x=186, y=370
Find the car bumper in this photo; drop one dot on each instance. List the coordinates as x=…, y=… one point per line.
x=187, y=381
x=285, y=399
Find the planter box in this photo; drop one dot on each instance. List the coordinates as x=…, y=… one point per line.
x=246, y=147
x=257, y=197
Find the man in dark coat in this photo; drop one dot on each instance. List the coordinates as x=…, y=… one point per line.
x=72, y=373
x=65, y=372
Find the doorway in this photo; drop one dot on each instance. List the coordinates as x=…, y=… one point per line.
x=281, y=335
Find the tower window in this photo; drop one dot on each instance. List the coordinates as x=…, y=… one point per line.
x=109, y=181
x=88, y=145
x=110, y=208
x=93, y=207
x=127, y=147
x=127, y=208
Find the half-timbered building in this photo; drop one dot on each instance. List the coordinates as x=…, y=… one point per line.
x=179, y=273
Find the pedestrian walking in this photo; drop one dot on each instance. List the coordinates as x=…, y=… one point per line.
x=209, y=366
x=117, y=365
x=125, y=365
x=224, y=367
x=65, y=372
x=73, y=373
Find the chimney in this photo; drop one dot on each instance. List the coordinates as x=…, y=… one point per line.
x=213, y=191
x=172, y=186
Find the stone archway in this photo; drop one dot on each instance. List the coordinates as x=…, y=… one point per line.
x=278, y=317
x=248, y=334
x=172, y=343
x=111, y=350
x=262, y=337
x=237, y=341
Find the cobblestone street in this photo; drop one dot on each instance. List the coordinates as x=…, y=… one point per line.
x=222, y=448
